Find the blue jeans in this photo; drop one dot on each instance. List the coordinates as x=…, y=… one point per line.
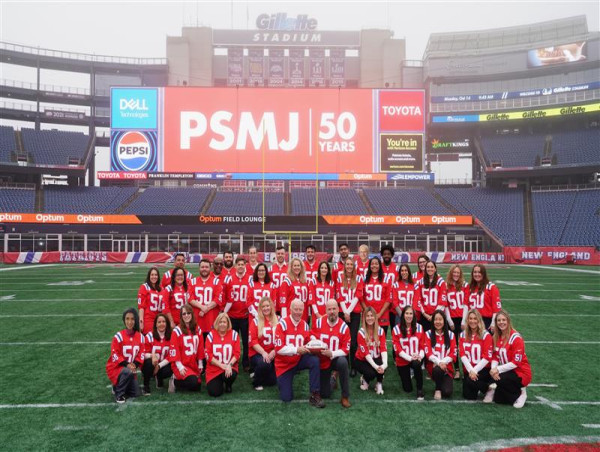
x=285, y=381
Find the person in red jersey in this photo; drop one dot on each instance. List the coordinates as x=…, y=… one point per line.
x=279, y=269
x=252, y=260
x=362, y=261
x=476, y=348
x=349, y=294
x=377, y=293
x=344, y=251
x=310, y=263
x=150, y=300
x=440, y=350
x=510, y=368
x=126, y=356
x=228, y=266
x=218, y=269
x=456, y=311
x=177, y=294
x=322, y=289
x=178, y=263
x=371, y=354
x=262, y=344
x=156, y=353
x=334, y=332
x=206, y=297
x=263, y=286
x=186, y=353
x=430, y=293
x=421, y=262
x=238, y=288
x=403, y=291
x=484, y=296
x=294, y=286
x=390, y=270
x=222, y=356
x=291, y=334
x=409, y=346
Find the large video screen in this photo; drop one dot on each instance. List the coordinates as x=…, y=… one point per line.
x=565, y=53
x=262, y=130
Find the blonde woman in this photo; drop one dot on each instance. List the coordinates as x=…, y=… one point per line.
x=371, y=355
x=262, y=344
x=510, y=368
x=456, y=311
x=222, y=356
x=476, y=348
x=294, y=286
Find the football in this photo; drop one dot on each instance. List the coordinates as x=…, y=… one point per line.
x=315, y=346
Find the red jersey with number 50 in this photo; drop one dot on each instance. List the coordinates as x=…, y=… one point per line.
x=361, y=268
x=289, y=291
x=166, y=279
x=337, y=337
x=413, y=343
x=286, y=334
x=513, y=351
x=375, y=348
x=403, y=295
x=237, y=292
x=177, y=297
x=345, y=294
x=311, y=270
x=486, y=302
x=223, y=349
x=156, y=346
x=205, y=293
x=440, y=350
x=431, y=299
x=456, y=299
x=320, y=293
x=259, y=290
x=152, y=302
x=477, y=348
x=124, y=349
x=187, y=349
x=278, y=273
x=266, y=340
x=376, y=294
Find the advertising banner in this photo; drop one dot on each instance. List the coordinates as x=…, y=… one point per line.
x=446, y=220
x=58, y=218
x=565, y=53
x=235, y=66
x=401, y=152
x=552, y=255
x=276, y=68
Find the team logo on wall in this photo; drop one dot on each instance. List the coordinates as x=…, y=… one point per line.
x=133, y=151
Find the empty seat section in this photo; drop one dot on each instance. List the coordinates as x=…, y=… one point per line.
x=169, y=201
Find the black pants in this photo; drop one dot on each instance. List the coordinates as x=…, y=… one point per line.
x=127, y=384
x=341, y=365
x=148, y=371
x=367, y=371
x=471, y=389
x=264, y=373
x=241, y=326
x=392, y=319
x=190, y=383
x=354, y=326
x=508, y=388
x=426, y=324
x=443, y=381
x=457, y=325
x=216, y=386
x=404, y=372
x=487, y=321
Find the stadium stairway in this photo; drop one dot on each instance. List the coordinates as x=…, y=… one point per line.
x=480, y=153
x=443, y=202
x=529, y=225
x=366, y=202
x=39, y=200
x=287, y=203
x=129, y=200
x=209, y=200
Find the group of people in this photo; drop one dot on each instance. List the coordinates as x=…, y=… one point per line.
x=331, y=320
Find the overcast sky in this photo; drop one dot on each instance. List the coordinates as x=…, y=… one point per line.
x=139, y=29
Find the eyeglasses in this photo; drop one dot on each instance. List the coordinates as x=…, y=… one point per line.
x=218, y=263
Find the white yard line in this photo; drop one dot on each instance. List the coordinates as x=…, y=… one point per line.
x=591, y=425
x=542, y=385
x=553, y=267
x=77, y=428
x=9, y=269
x=549, y=403
x=10, y=316
x=509, y=443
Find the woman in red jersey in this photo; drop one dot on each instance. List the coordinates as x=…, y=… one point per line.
x=222, y=356
x=403, y=291
x=177, y=295
x=371, y=355
x=409, y=348
x=421, y=262
x=377, y=293
x=186, y=353
x=484, y=296
x=476, y=348
x=456, y=311
x=510, y=368
x=440, y=350
x=321, y=291
x=126, y=356
x=156, y=353
x=294, y=286
x=150, y=300
x=263, y=286
x=262, y=345
x=431, y=294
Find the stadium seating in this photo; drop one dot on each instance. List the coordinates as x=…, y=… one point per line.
x=8, y=143
x=550, y=215
x=17, y=200
x=100, y=200
x=513, y=150
x=583, y=225
x=581, y=147
x=332, y=201
x=249, y=203
x=54, y=147
x=499, y=210
x=169, y=201
x=413, y=201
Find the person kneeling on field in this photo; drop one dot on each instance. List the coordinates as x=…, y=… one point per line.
x=222, y=356
x=334, y=332
x=262, y=344
x=156, y=361
x=126, y=355
x=440, y=350
x=186, y=353
x=292, y=356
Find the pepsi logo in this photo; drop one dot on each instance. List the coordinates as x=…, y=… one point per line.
x=133, y=151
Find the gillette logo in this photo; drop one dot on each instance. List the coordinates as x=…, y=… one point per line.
x=281, y=21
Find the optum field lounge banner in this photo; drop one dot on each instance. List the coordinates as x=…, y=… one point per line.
x=552, y=255
x=256, y=130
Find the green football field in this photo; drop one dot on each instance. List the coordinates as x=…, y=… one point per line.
x=57, y=322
